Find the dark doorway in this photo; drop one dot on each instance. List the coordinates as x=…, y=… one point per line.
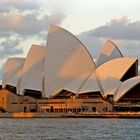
x=105, y=109
x=25, y=108
x=51, y=109
x=94, y=109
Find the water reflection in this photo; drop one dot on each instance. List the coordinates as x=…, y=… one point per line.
x=71, y=129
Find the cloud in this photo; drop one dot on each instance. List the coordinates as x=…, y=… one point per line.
x=93, y=44
x=23, y=21
x=27, y=24
x=17, y=26
x=123, y=32
x=22, y=5
x=130, y=48
x=0, y=74
x=118, y=29
x=9, y=47
x=55, y=18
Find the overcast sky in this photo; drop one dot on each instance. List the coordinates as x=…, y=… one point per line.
x=25, y=22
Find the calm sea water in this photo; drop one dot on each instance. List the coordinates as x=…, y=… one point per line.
x=70, y=129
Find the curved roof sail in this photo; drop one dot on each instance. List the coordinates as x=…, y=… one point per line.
x=110, y=85
x=66, y=60
x=93, y=84
x=108, y=52
x=12, y=72
x=90, y=85
x=83, y=84
x=112, y=72
x=116, y=68
x=125, y=87
x=33, y=69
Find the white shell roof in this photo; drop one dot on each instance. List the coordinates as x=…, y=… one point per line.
x=90, y=85
x=110, y=73
x=33, y=69
x=115, y=68
x=83, y=84
x=106, y=86
x=105, y=78
x=12, y=72
x=66, y=60
x=109, y=86
x=108, y=52
x=125, y=87
x=76, y=84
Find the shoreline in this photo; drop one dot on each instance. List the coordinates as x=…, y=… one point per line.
x=71, y=115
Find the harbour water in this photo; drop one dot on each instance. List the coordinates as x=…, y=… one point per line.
x=69, y=129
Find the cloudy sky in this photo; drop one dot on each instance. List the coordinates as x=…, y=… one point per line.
x=25, y=22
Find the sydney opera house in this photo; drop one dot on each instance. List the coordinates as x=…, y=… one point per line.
x=63, y=77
